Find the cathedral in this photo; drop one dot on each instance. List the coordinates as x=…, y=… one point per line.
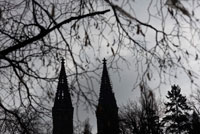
x=106, y=112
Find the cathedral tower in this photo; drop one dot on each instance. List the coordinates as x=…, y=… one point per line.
x=62, y=110
x=107, y=110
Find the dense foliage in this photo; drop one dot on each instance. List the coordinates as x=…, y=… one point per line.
x=177, y=116
x=146, y=118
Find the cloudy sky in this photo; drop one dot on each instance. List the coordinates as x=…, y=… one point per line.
x=109, y=44
x=123, y=82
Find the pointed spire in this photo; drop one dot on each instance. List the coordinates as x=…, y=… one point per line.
x=107, y=110
x=105, y=80
x=62, y=76
x=63, y=98
x=62, y=111
x=104, y=61
x=106, y=93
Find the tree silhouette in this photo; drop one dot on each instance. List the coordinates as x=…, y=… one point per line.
x=129, y=119
x=23, y=121
x=34, y=34
x=195, y=123
x=87, y=127
x=176, y=119
x=143, y=119
x=150, y=123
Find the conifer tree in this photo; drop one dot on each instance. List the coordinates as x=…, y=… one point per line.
x=176, y=119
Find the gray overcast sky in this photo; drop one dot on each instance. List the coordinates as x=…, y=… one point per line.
x=107, y=45
x=124, y=81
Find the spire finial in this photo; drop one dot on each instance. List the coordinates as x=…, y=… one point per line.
x=104, y=61
x=62, y=61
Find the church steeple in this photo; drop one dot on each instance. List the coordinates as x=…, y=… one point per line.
x=63, y=98
x=107, y=110
x=62, y=110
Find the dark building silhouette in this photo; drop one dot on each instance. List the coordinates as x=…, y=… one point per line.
x=107, y=110
x=106, y=113
x=62, y=110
